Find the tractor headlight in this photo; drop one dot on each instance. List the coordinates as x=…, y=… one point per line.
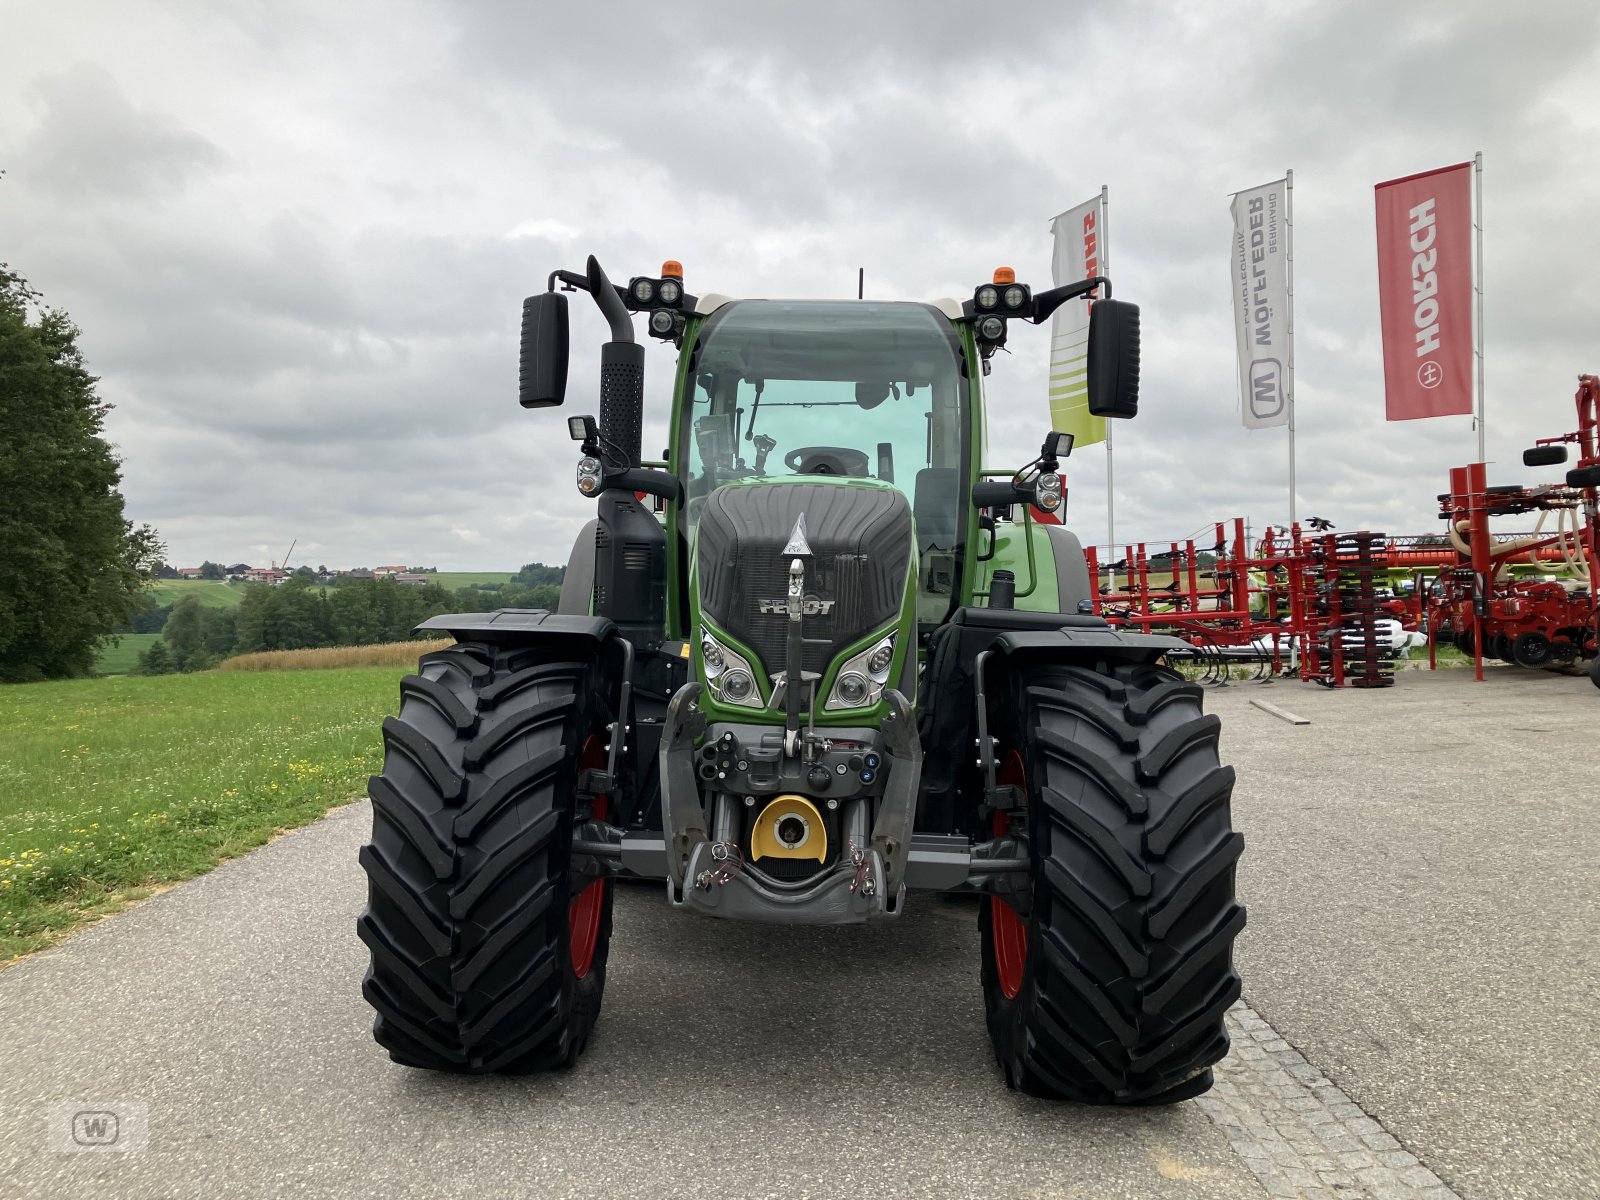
x=670, y=291
x=1015, y=296
x=588, y=475
x=863, y=676
x=661, y=322
x=644, y=290
x=992, y=329
x=852, y=689
x=1047, y=492
x=987, y=296
x=728, y=673
x=738, y=685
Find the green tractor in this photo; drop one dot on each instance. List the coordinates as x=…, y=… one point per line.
x=816, y=660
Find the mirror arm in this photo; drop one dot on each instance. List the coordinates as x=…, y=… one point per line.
x=1045, y=303
x=571, y=281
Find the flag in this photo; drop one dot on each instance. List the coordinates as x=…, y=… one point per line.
x=1261, y=304
x=1425, y=292
x=1080, y=253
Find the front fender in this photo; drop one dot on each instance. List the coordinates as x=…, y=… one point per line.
x=524, y=625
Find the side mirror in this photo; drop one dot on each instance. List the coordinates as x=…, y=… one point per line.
x=1114, y=359
x=542, y=379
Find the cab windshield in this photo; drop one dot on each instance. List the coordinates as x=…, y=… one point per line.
x=858, y=389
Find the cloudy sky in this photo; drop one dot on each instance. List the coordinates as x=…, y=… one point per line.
x=297, y=234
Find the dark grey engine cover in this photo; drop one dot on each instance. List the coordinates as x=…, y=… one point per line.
x=861, y=542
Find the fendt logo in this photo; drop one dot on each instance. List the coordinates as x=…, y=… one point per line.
x=1425, y=280
x=1266, y=388
x=811, y=606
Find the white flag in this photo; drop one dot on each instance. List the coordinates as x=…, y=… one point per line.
x=1080, y=253
x=1261, y=316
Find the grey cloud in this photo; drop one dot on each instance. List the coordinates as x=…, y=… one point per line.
x=92, y=145
x=316, y=338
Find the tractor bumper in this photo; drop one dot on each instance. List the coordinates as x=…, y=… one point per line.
x=863, y=884
x=847, y=895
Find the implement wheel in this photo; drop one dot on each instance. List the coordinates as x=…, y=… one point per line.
x=1594, y=671
x=1532, y=649
x=1113, y=989
x=488, y=952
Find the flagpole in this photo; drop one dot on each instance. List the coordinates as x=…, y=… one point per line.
x=1111, y=500
x=1477, y=286
x=1288, y=238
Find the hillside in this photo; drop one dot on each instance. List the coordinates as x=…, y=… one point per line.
x=212, y=593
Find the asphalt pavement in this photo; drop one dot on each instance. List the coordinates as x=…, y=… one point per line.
x=1422, y=871
x=1423, y=916
x=730, y=1061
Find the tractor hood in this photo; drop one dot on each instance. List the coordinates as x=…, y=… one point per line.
x=861, y=540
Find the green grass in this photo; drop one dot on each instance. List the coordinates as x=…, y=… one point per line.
x=210, y=592
x=124, y=656
x=461, y=579
x=112, y=788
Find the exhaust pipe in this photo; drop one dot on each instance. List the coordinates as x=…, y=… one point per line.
x=630, y=579
x=621, y=376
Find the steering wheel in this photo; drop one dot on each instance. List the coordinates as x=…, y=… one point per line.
x=827, y=460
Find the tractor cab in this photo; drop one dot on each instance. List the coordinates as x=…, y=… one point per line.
x=861, y=394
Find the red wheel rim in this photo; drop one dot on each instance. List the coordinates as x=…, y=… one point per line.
x=583, y=914
x=1007, y=931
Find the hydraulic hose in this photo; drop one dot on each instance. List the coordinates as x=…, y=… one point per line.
x=1501, y=551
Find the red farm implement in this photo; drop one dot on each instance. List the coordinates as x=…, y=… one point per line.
x=1314, y=604
x=1482, y=603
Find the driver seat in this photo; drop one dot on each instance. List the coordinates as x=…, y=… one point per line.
x=841, y=461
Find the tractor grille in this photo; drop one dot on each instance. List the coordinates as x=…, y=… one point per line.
x=861, y=551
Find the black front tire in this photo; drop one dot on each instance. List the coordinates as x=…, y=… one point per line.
x=477, y=962
x=1128, y=969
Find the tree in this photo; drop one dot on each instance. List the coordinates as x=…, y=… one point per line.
x=211, y=570
x=217, y=633
x=184, y=633
x=155, y=661
x=533, y=574
x=72, y=568
x=290, y=616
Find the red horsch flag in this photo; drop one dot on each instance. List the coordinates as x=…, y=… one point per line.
x=1425, y=292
